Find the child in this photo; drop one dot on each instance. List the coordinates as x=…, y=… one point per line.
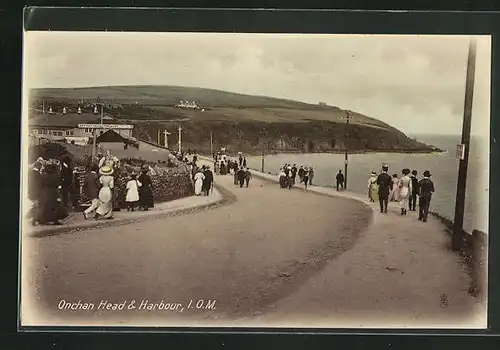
x=132, y=192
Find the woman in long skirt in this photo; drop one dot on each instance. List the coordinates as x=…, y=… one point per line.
x=146, y=199
x=50, y=207
x=105, y=209
x=373, y=187
x=404, y=191
x=394, y=194
x=198, y=182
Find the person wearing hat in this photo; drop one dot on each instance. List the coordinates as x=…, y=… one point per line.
x=425, y=191
x=34, y=183
x=208, y=180
x=248, y=176
x=372, y=187
x=50, y=207
x=67, y=179
x=340, y=179
x=404, y=191
x=384, y=182
x=146, y=199
x=414, y=190
x=105, y=209
x=91, y=189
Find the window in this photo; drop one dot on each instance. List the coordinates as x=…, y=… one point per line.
x=69, y=132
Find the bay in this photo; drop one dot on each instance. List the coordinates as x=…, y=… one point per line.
x=443, y=166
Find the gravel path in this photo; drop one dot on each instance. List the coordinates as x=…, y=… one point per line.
x=246, y=256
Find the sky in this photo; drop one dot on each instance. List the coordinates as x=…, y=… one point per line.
x=415, y=83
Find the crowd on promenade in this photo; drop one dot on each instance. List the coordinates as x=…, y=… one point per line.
x=237, y=167
x=406, y=189
x=54, y=189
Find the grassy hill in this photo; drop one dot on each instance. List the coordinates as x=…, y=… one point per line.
x=236, y=120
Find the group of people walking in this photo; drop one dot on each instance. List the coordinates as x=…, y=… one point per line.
x=405, y=190
x=288, y=175
x=203, y=181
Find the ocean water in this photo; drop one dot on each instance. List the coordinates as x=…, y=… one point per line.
x=444, y=169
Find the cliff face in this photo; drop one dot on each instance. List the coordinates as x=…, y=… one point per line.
x=311, y=137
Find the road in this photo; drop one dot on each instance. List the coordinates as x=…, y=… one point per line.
x=244, y=256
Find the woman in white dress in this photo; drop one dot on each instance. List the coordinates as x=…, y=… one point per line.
x=105, y=208
x=132, y=196
x=394, y=195
x=198, y=182
x=372, y=187
x=404, y=191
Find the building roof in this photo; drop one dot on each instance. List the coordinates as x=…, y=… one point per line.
x=70, y=120
x=111, y=136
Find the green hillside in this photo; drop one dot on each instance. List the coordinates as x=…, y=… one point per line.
x=290, y=125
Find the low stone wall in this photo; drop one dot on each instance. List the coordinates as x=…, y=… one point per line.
x=474, y=252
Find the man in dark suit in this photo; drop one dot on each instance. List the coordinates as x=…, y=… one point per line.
x=34, y=183
x=340, y=180
x=414, y=190
x=207, y=182
x=67, y=181
x=384, y=182
x=91, y=188
x=426, y=189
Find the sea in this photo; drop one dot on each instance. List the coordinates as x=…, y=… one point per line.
x=443, y=166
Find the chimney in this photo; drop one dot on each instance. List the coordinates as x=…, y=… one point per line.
x=79, y=110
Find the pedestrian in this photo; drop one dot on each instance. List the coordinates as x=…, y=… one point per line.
x=287, y=169
x=198, y=182
x=235, y=175
x=248, y=176
x=146, y=198
x=425, y=191
x=394, y=194
x=290, y=180
x=414, y=190
x=132, y=197
x=404, y=191
x=244, y=162
x=240, y=159
x=50, y=207
x=282, y=178
x=208, y=180
x=373, y=187
x=340, y=180
x=305, y=177
x=311, y=175
x=301, y=174
x=66, y=180
x=105, y=209
x=241, y=175
x=384, y=182
x=34, y=183
x=294, y=172
x=91, y=189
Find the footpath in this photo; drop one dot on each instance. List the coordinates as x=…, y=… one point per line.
x=77, y=222
x=400, y=273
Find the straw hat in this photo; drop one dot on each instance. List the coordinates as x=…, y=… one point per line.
x=374, y=173
x=427, y=173
x=106, y=170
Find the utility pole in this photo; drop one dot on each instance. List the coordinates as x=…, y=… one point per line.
x=346, y=150
x=180, y=138
x=211, y=144
x=263, y=153
x=158, y=137
x=458, y=221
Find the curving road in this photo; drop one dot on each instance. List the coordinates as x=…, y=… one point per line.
x=245, y=256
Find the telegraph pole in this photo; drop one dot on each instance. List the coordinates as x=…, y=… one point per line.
x=346, y=151
x=458, y=221
x=180, y=138
x=263, y=153
x=166, y=133
x=211, y=144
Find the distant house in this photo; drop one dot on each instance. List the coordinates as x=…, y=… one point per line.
x=112, y=140
x=64, y=127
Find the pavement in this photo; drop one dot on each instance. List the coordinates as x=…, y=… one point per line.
x=76, y=221
x=273, y=258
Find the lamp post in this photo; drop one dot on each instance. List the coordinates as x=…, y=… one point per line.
x=458, y=221
x=263, y=133
x=180, y=138
x=346, y=160
x=165, y=134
